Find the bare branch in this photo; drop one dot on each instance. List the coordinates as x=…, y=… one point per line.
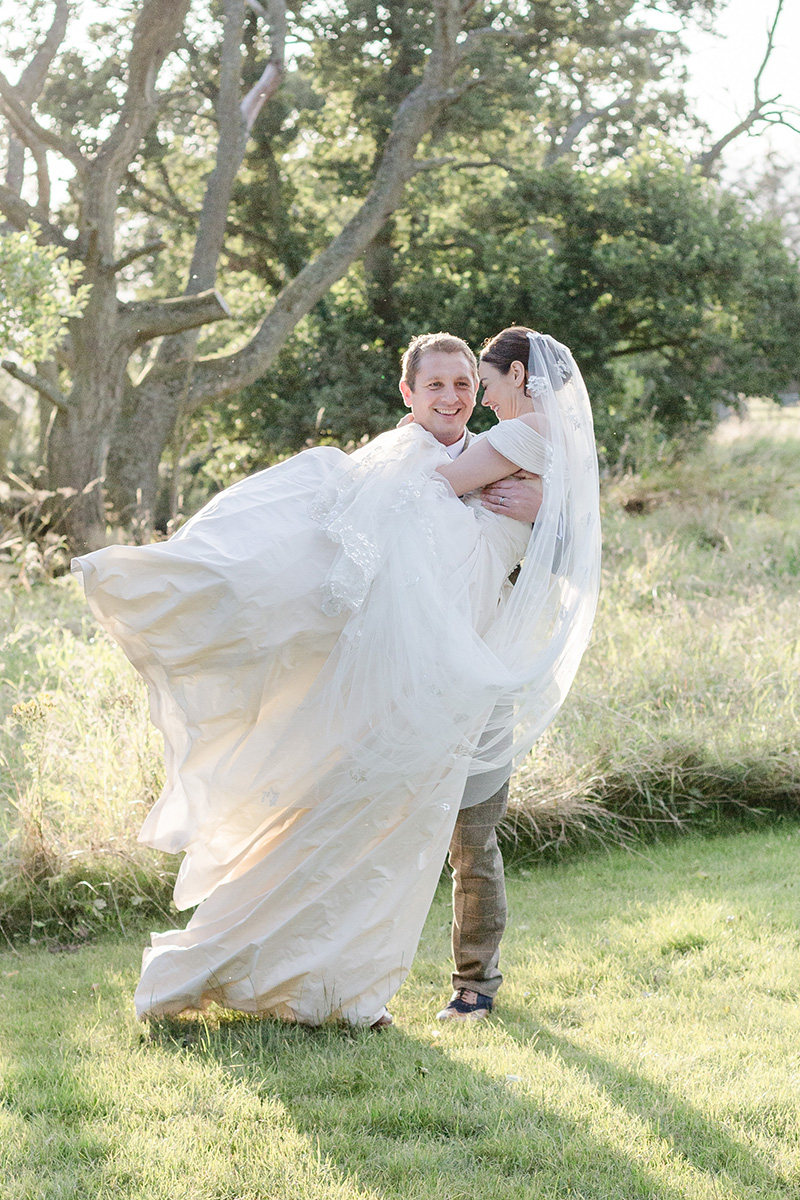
x=28, y=127
x=273, y=72
x=22, y=138
x=29, y=85
x=18, y=213
x=767, y=52
x=759, y=111
x=177, y=204
x=433, y=164
x=38, y=382
x=143, y=320
x=475, y=36
x=32, y=79
x=585, y=117
x=260, y=93
x=148, y=248
x=154, y=35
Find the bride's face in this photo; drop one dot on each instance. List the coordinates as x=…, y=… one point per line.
x=443, y=396
x=502, y=393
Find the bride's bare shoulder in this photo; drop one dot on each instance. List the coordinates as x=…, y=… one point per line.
x=535, y=421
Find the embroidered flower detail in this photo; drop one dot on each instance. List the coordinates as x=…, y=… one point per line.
x=536, y=387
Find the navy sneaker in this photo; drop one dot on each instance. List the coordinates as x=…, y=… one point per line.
x=466, y=1005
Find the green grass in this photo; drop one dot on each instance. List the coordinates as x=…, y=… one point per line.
x=645, y=1046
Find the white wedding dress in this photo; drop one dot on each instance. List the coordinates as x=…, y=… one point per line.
x=315, y=646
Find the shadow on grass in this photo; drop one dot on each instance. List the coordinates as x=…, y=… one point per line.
x=706, y=1145
x=395, y=1115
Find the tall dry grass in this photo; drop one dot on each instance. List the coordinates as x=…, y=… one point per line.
x=685, y=707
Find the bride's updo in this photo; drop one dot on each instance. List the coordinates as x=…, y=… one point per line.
x=509, y=346
x=513, y=345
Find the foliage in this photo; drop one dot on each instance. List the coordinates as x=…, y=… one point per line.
x=41, y=292
x=361, y=154
x=621, y=1063
x=673, y=296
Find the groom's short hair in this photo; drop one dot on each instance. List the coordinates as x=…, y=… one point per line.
x=447, y=343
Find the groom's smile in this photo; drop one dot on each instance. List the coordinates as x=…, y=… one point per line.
x=443, y=395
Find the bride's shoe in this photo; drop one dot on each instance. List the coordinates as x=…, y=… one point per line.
x=383, y=1021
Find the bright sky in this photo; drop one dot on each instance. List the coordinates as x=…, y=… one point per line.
x=722, y=68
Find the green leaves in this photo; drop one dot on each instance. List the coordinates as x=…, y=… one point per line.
x=41, y=291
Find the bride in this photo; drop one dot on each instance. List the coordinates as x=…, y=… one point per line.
x=331, y=648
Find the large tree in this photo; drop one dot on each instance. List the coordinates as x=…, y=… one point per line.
x=428, y=83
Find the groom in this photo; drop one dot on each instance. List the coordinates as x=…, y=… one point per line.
x=439, y=384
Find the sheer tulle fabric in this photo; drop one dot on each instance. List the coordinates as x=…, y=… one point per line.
x=543, y=629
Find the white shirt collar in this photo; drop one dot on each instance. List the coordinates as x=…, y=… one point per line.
x=456, y=448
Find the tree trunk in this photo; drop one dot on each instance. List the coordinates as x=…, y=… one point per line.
x=80, y=434
x=141, y=434
x=76, y=465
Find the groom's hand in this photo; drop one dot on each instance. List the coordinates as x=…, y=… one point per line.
x=518, y=496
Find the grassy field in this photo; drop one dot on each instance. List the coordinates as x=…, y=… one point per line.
x=686, y=704
x=645, y=1047
x=684, y=710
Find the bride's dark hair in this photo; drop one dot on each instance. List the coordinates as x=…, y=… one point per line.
x=509, y=346
x=514, y=345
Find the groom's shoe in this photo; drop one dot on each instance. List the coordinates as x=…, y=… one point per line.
x=466, y=1005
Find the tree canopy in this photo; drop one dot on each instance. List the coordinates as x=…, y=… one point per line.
x=265, y=201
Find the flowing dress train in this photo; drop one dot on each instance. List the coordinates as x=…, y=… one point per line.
x=313, y=645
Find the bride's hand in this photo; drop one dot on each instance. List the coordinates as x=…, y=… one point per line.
x=406, y=420
x=517, y=496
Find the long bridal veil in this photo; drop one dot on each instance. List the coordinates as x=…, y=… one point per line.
x=544, y=627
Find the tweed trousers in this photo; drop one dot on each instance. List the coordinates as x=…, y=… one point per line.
x=479, y=895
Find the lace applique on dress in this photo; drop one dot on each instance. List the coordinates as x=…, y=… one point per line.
x=361, y=512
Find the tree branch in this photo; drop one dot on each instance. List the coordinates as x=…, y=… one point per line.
x=41, y=385
x=32, y=79
x=232, y=133
x=433, y=164
x=18, y=213
x=273, y=72
x=29, y=86
x=415, y=117
x=172, y=201
x=29, y=128
x=585, y=117
x=708, y=158
x=148, y=248
x=645, y=348
x=25, y=139
x=143, y=320
x=475, y=36
x=154, y=36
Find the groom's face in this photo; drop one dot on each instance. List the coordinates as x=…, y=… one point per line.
x=443, y=395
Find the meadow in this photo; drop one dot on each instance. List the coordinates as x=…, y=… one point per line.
x=683, y=715
x=644, y=1047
